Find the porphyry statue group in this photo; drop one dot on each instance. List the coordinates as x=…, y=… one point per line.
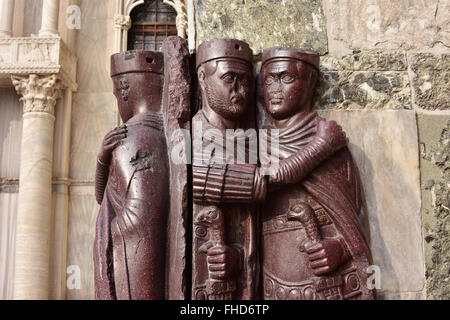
x=239, y=230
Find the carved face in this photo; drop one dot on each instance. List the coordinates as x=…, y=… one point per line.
x=288, y=86
x=228, y=87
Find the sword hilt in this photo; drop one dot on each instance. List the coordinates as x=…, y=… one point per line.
x=303, y=213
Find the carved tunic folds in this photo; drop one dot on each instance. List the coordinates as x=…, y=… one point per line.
x=133, y=188
x=231, y=189
x=135, y=205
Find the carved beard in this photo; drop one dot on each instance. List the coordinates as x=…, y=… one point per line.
x=223, y=105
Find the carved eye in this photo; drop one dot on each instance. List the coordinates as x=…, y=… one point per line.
x=228, y=78
x=287, y=78
x=269, y=80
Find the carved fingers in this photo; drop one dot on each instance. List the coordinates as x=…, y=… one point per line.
x=325, y=256
x=223, y=262
x=111, y=141
x=333, y=133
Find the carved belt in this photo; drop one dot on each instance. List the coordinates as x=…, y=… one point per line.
x=344, y=286
x=281, y=223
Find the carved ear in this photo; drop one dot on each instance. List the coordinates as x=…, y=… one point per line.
x=201, y=77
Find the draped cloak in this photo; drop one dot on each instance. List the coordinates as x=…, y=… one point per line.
x=334, y=191
x=130, y=240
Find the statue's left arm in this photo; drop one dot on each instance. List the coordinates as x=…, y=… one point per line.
x=110, y=142
x=329, y=139
x=228, y=183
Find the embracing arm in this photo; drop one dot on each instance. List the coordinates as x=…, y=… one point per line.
x=101, y=179
x=110, y=142
x=329, y=139
x=233, y=183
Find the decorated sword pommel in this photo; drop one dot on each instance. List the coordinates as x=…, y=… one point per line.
x=311, y=58
x=224, y=49
x=212, y=219
x=303, y=213
x=137, y=61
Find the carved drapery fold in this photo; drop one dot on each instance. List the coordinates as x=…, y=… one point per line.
x=38, y=93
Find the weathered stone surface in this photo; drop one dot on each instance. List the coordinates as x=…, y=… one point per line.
x=434, y=137
x=362, y=81
x=264, y=23
x=384, y=145
x=367, y=61
x=386, y=24
x=431, y=77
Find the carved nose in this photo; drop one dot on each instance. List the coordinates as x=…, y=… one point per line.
x=276, y=87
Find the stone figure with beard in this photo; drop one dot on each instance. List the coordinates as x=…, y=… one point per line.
x=227, y=182
x=225, y=257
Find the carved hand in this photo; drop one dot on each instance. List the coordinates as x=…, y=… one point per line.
x=110, y=142
x=325, y=256
x=223, y=262
x=332, y=133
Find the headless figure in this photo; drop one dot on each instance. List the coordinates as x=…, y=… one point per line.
x=132, y=185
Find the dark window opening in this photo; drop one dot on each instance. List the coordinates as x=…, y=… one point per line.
x=153, y=21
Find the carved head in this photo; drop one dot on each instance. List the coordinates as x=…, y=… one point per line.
x=138, y=81
x=289, y=78
x=225, y=73
x=210, y=217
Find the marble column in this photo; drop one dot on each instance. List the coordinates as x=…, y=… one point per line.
x=34, y=227
x=50, y=13
x=6, y=18
x=61, y=184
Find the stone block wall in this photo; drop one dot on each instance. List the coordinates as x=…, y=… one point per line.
x=385, y=72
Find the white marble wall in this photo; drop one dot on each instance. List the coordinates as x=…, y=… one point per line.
x=384, y=144
x=94, y=113
x=82, y=217
x=8, y=210
x=387, y=25
x=32, y=8
x=10, y=137
x=10, y=133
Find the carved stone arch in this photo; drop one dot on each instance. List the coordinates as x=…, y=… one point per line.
x=131, y=4
x=122, y=20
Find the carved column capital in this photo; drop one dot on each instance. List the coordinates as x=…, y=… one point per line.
x=122, y=22
x=38, y=93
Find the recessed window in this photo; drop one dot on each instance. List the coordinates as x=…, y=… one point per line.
x=153, y=21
